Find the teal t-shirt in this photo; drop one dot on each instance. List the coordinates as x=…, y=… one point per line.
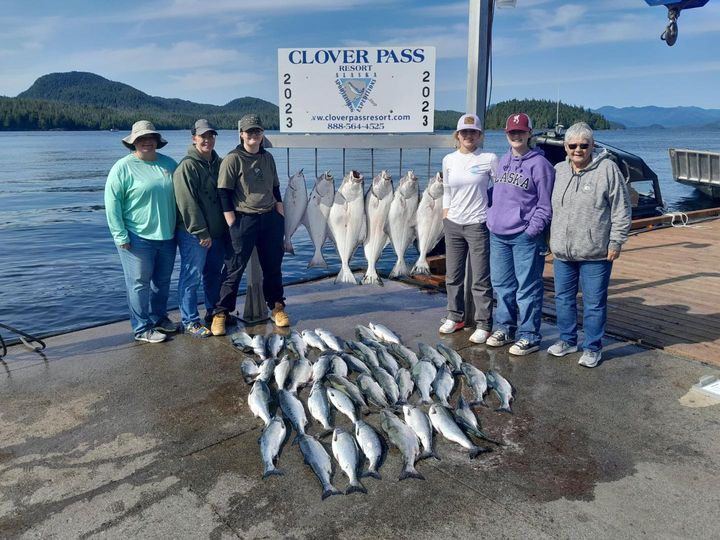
x=139, y=197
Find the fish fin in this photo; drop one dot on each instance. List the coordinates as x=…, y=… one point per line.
x=324, y=433
x=355, y=488
x=504, y=409
x=329, y=492
x=317, y=261
x=427, y=455
x=372, y=474
x=273, y=472
x=372, y=280
x=421, y=268
x=400, y=268
x=346, y=276
x=475, y=452
x=477, y=402
x=410, y=472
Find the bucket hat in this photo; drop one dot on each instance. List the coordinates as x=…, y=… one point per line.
x=469, y=121
x=139, y=129
x=203, y=126
x=250, y=121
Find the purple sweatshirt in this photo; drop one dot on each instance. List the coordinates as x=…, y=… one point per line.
x=521, y=194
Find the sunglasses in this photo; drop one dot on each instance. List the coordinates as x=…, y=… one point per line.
x=583, y=146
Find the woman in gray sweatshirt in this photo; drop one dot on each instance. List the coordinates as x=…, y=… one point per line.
x=591, y=220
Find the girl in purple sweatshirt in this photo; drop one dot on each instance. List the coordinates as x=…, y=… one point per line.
x=521, y=210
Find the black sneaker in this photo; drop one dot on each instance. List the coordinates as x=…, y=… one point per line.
x=498, y=339
x=523, y=346
x=166, y=326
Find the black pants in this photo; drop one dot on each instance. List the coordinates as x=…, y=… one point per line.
x=264, y=232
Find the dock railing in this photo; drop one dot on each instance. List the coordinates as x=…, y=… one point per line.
x=697, y=168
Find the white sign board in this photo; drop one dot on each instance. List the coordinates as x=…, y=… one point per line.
x=357, y=90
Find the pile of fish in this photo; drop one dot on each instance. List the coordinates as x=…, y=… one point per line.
x=351, y=217
x=373, y=374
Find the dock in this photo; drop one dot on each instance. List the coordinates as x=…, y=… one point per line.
x=665, y=289
x=102, y=436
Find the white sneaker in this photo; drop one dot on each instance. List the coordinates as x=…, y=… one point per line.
x=561, y=348
x=590, y=358
x=448, y=327
x=151, y=336
x=480, y=336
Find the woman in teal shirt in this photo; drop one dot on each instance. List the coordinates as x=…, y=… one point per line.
x=141, y=213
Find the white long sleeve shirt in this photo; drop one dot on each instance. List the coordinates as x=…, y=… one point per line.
x=466, y=178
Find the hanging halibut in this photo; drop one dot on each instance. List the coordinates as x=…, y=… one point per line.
x=377, y=207
x=429, y=223
x=294, y=204
x=347, y=222
x=316, y=215
x=401, y=220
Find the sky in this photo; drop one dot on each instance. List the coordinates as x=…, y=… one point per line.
x=586, y=52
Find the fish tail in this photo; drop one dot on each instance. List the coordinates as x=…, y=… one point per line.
x=346, y=276
x=371, y=473
x=272, y=472
x=356, y=487
x=504, y=409
x=478, y=402
x=317, y=261
x=329, y=492
x=421, y=267
x=477, y=450
x=410, y=472
x=427, y=455
x=369, y=279
x=400, y=268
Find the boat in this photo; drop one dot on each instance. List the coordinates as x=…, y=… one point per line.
x=643, y=183
x=697, y=168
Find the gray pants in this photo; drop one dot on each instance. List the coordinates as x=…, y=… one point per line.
x=472, y=243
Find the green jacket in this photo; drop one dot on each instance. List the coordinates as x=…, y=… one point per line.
x=195, y=183
x=252, y=178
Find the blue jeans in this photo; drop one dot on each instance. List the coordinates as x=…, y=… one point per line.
x=197, y=262
x=594, y=278
x=516, y=271
x=147, y=266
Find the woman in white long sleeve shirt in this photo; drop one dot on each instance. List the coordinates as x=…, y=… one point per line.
x=466, y=174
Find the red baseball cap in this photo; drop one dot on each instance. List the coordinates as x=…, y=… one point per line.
x=518, y=122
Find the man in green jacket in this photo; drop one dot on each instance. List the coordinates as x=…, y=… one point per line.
x=201, y=229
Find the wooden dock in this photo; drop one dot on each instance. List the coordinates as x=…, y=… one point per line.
x=665, y=290
x=665, y=287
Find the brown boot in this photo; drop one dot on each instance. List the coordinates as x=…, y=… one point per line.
x=218, y=324
x=278, y=315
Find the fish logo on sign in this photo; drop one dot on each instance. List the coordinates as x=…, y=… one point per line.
x=355, y=92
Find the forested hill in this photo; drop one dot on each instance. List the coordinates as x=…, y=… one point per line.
x=85, y=101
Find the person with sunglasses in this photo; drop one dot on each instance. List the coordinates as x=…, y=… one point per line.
x=249, y=191
x=467, y=173
x=201, y=229
x=520, y=212
x=591, y=221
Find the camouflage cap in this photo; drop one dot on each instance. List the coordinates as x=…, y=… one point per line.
x=250, y=121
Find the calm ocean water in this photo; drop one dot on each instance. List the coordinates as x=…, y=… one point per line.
x=60, y=271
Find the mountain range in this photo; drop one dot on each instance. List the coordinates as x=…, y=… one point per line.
x=668, y=117
x=86, y=101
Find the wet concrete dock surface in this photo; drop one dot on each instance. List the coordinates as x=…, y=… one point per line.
x=103, y=436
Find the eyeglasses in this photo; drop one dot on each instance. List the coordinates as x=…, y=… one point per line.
x=583, y=146
x=254, y=132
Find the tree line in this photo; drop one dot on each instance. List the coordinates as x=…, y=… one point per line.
x=26, y=114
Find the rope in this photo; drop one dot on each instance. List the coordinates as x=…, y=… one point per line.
x=27, y=339
x=678, y=219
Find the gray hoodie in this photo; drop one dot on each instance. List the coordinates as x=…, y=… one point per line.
x=591, y=210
